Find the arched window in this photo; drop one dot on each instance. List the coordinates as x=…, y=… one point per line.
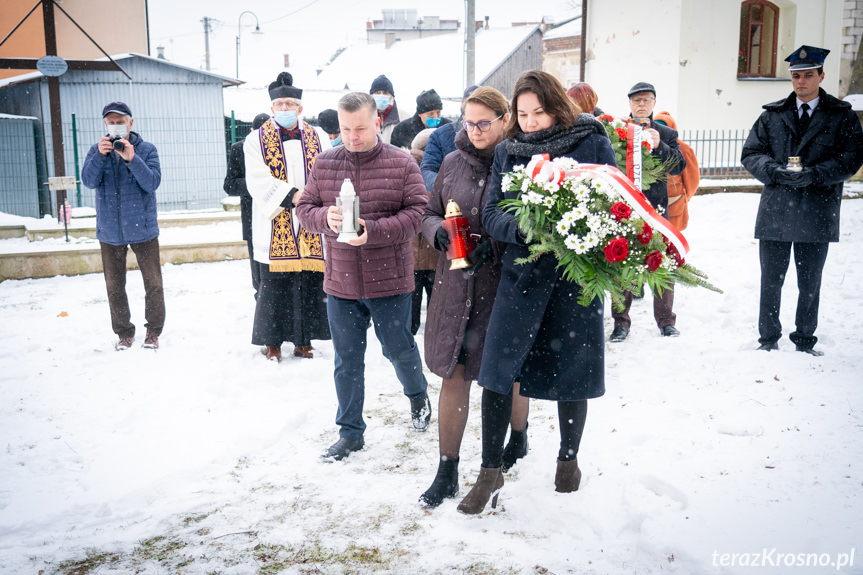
x=759, y=22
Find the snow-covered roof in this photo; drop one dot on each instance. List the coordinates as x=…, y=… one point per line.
x=856, y=101
x=411, y=65
x=30, y=76
x=416, y=65
x=14, y=117
x=571, y=28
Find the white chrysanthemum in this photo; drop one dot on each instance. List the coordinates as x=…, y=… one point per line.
x=562, y=227
x=565, y=162
x=506, y=182
x=574, y=181
x=525, y=184
x=550, y=187
x=591, y=241
x=548, y=202
x=581, y=192
x=532, y=197
x=579, y=212
x=576, y=244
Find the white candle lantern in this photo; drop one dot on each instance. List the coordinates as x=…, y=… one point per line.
x=349, y=206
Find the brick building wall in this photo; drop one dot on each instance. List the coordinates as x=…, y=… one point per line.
x=852, y=32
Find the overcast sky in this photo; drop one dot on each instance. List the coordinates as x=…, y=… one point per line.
x=310, y=31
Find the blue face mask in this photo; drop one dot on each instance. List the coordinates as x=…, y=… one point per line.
x=382, y=101
x=286, y=119
x=432, y=122
x=336, y=142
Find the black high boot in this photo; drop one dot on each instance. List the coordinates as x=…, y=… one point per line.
x=445, y=483
x=515, y=449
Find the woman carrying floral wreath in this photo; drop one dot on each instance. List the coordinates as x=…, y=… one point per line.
x=461, y=303
x=538, y=331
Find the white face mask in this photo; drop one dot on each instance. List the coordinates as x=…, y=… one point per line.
x=117, y=130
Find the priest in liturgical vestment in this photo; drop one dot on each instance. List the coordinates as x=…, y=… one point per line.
x=279, y=155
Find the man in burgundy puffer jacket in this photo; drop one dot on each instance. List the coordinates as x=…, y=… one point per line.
x=370, y=277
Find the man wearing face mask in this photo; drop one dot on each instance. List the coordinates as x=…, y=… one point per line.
x=124, y=171
x=385, y=102
x=291, y=304
x=328, y=120
x=429, y=106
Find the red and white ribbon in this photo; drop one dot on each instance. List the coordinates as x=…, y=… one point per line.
x=542, y=170
x=633, y=154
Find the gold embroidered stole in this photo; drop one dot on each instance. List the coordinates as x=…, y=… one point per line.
x=304, y=250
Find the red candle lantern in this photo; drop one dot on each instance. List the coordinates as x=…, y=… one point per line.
x=460, y=242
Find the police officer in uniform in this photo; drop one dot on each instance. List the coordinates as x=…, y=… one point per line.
x=799, y=210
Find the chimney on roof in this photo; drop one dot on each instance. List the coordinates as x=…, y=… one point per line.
x=160, y=52
x=287, y=61
x=486, y=22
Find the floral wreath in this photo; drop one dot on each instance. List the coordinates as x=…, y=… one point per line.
x=652, y=169
x=604, y=236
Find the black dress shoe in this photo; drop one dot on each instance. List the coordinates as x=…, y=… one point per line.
x=810, y=351
x=342, y=448
x=669, y=331
x=619, y=333
x=768, y=346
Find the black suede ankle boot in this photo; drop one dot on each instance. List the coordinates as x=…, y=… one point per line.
x=515, y=449
x=445, y=483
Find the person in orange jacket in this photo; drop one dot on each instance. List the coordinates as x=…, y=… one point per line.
x=682, y=187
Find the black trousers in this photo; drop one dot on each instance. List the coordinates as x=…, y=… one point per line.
x=114, y=268
x=809, y=258
x=423, y=282
x=256, y=269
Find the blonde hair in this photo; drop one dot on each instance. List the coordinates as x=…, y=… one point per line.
x=488, y=97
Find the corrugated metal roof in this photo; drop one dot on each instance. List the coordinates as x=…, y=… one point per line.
x=31, y=76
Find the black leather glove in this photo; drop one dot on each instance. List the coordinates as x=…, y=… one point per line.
x=801, y=179
x=480, y=254
x=441, y=239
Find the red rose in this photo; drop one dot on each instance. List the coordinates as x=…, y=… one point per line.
x=645, y=235
x=672, y=251
x=621, y=133
x=620, y=211
x=616, y=250
x=652, y=260
x=607, y=117
x=645, y=145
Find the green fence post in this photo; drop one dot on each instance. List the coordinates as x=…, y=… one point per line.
x=77, y=171
x=233, y=129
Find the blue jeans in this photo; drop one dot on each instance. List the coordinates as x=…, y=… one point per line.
x=349, y=324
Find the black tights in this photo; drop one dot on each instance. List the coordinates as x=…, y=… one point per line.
x=496, y=411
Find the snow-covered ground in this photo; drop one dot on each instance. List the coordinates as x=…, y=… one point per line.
x=202, y=457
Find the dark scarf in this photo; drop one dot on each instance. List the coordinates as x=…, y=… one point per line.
x=555, y=141
x=481, y=158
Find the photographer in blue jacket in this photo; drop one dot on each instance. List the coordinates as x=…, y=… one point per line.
x=124, y=171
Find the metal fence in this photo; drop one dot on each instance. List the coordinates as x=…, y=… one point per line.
x=718, y=151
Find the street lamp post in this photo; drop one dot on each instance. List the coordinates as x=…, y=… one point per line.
x=239, y=30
